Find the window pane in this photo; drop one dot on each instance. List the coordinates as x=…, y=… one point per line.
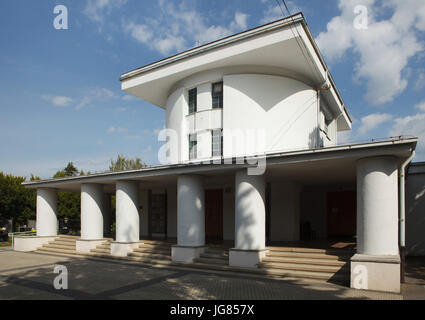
x=193, y=146
x=193, y=100
x=217, y=143
x=217, y=95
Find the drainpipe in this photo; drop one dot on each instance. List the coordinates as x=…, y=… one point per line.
x=402, y=213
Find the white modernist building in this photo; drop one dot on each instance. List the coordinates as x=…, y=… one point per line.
x=251, y=157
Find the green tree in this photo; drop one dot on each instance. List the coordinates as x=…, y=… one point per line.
x=16, y=202
x=123, y=164
x=71, y=170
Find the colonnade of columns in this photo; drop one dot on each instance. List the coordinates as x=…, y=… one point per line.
x=377, y=216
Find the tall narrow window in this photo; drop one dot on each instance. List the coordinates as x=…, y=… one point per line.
x=193, y=100
x=193, y=142
x=217, y=143
x=217, y=95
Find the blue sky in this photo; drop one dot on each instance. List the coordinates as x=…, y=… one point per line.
x=60, y=97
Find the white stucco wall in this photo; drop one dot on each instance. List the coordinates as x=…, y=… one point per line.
x=92, y=211
x=250, y=211
x=313, y=210
x=127, y=211
x=282, y=110
x=285, y=211
x=285, y=109
x=415, y=213
x=47, y=202
x=377, y=206
x=190, y=211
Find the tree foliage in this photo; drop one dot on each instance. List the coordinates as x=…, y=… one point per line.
x=123, y=164
x=16, y=202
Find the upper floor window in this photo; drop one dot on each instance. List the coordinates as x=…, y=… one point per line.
x=217, y=95
x=217, y=143
x=193, y=100
x=193, y=142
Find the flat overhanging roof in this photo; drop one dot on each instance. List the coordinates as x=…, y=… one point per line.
x=333, y=163
x=284, y=47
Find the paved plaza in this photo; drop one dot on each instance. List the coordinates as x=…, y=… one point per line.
x=31, y=276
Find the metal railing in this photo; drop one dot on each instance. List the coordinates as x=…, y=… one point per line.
x=21, y=234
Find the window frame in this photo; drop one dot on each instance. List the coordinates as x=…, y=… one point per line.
x=193, y=154
x=220, y=95
x=220, y=142
x=192, y=93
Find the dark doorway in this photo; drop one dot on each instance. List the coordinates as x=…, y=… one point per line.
x=341, y=214
x=214, y=214
x=158, y=215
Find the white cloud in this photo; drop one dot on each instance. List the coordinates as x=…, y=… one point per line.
x=96, y=95
x=178, y=26
x=413, y=126
x=96, y=10
x=273, y=12
x=57, y=101
x=420, y=106
x=373, y=121
x=420, y=81
x=383, y=50
x=117, y=129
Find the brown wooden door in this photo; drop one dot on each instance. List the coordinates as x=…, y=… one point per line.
x=341, y=213
x=214, y=214
x=158, y=214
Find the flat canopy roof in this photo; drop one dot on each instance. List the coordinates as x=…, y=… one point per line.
x=284, y=47
x=325, y=166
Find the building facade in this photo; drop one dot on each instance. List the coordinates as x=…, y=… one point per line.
x=250, y=157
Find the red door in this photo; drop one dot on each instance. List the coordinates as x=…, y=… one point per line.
x=342, y=213
x=214, y=214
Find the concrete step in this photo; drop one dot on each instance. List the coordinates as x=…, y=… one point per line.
x=156, y=246
x=66, y=239
x=290, y=254
x=56, y=250
x=73, y=242
x=101, y=250
x=208, y=254
x=222, y=262
x=149, y=255
x=144, y=249
x=301, y=267
x=337, y=252
x=148, y=260
x=300, y=274
x=60, y=246
x=297, y=260
x=158, y=242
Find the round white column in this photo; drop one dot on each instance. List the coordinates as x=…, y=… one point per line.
x=377, y=206
x=127, y=211
x=47, y=222
x=190, y=211
x=250, y=211
x=92, y=207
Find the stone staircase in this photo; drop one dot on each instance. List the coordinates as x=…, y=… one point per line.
x=62, y=244
x=152, y=251
x=103, y=250
x=331, y=265
x=214, y=255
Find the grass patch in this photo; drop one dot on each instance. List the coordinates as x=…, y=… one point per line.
x=6, y=244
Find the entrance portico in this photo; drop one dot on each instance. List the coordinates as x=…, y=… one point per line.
x=291, y=179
